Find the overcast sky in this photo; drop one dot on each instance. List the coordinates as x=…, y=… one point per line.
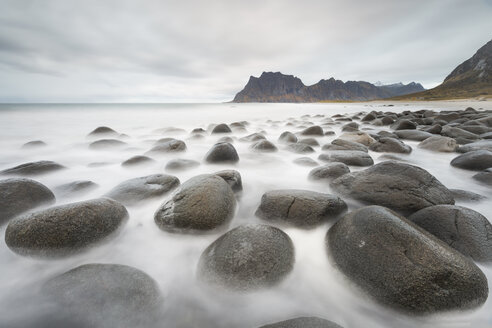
x=205, y=50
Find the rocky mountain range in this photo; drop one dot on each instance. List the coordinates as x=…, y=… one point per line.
x=277, y=87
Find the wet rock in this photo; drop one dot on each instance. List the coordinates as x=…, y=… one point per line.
x=434, y=129
x=360, y=137
x=440, y=144
x=33, y=168
x=462, y=228
x=314, y=130
x=305, y=161
x=466, y=196
x=350, y=127
x=221, y=128
x=20, y=195
x=390, y=145
x=473, y=160
x=303, y=322
x=66, y=229
x=341, y=144
x=137, y=160
x=103, y=130
x=477, y=145
x=34, y=144
x=222, y=153
x=253, y=137
x=287, y=137
x=76, y=187
x=484, y=177
x=300, y=148
x=369, y=117
x=171, y=146
x=399, y=186
x=135, y=190
x=404, y=125
x=454, y=132
x=233, y=179
x=107, y=143
x=264, y=146
x=403, y=266
x=248, y=257
x=310, y=141
x=415, y=135
x=106, y=295
x=180, y=164
x=349, y=157
x=329, y=171
x=225, y=139
x=299, y=208
x=203, y=203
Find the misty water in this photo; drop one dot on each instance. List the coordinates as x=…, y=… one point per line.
x=313, y=288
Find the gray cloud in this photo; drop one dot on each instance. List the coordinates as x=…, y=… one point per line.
x=170, y=50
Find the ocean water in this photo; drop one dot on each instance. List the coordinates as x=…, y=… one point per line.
x=313, y=288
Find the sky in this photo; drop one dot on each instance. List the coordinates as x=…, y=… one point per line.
x=205, y=51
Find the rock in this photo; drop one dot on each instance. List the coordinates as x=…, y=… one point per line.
x=76, y=187
x=462, y=228
x=440, y=144
x=341, y=144
x=390, y=145
x=403, y=266
x=248, y=257
x=314, y=130
x=135, y=190
x=20, y=195
x=434, y=129
x=106, y=295
x=349, y=157
x=198, y=131
x=221, y=128
x=350, y=127
x=387, y=120
x=202, y=204
x=233, y=179
x=476, y=129
x=34, y=144
x=137, y=160
x=66, y=229
x=299, y=208
x=253, y=137
x=33, y=168
x=300, y=148
x=305, y=161
x=171, y=146
x=225, y=139
x=264, y=146
x=369, y=117
x=454, y=132
x=287, y=137
x=222, y=153
x=360, y=137
x=477, y=145
x=303, y=322
x=107, y=143
x=399, y=186
x=484, y=177
x=466, y=196
x=415, y=135
x=404, y=125
x=310, y=141
x=329, y=171
x=180, y=164
x=103, y=130
x=473, y=160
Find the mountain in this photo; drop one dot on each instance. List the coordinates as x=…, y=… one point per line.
x=277, y=87
x=472, y=78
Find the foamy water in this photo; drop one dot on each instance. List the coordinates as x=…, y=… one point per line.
x=313, y=288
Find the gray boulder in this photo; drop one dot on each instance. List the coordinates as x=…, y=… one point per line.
x=137, y=160
x=171, y=146
x=403, y=266
x=264, y=146
x=404, y=124
x=107, y=143
x=180, y=164
x=34, y=144
x=103, y=130
x=314, y=130
x=303, y=322
x=329, y=171
x=473, y=160
x=247, y=258
x=253, y=137
x=454, y=132
x=233, y=179
x=466, y=196
x=415, y=135
x=299, y=208
x=300, y=148
x=222, y=153
x=221, y=128
x=287, y=137
x=341, y=144
x=76, y=188
x=484, y=177
x=477, y=145
x=349, y=157
x=390, y=145
x=33, y=168
x=305, y=161
x=439, y=143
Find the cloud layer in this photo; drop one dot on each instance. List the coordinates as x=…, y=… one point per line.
x=191, y=50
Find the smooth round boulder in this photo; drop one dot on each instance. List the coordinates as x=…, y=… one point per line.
x=401, y=265
x=390, y=145
x=476, y=160
x=402, y=187
x=314, y=130
x=233, y=179
x=76, y=188
x=34, y=144
x=20, y=195
x=454, y=132
x=349, y=157
x=299, y=208
x=439, y=143
x=466, y=196
x=103, y=130
x=462, y=228
x=133, y=191
x=300, y=148
x=287, y=137
x=415, y=135
x=309, y=141
x=341, y=144
x=264, y=146
x=248, y=258
x=202, y=204
x=477, y=145
x=33, y=168
x=303, y=322
x=404, y=124
x=222, y=153
x=66, y=229
x=101, y=293
x=107, y=143
x=328, y=171
x=484, y=177
x=253, y=137
x=221, y=128
x=305, y=161
x=171, y=146
x=180, y=164
x=360, y=137
x=137, y=161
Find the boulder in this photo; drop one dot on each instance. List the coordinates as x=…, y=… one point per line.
x=329, y=171
x=222, y=153
x=484, y=177
x=33, y=168
x=360, y=137
x=107, y=143
x=454, y=132
x=314, y=130
x=20, y=195
x=390, y=145
x=76, y=188
x=349, y=157
x=466, y=196
x=103, y=130
x=180, y=164
x=248, y=257
x=310, y=141
x=264, y=146
x=473, y=160
x=221, y=128
x=299, y=208
x=401, y=265
x=133, y=191
x=171, y=146
x=137, y=160
x=399, y=186
x=477, y=145
x=66, y=229
x=305, y=161
x=303, y=322
x=233, y=179
x=341, y=144
x=253, y=137
x=287, y=137
x=415, y=135
x=404, y=124
x=202, y=204
x=34, y=144
x=439, y=143
x=300, y=148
